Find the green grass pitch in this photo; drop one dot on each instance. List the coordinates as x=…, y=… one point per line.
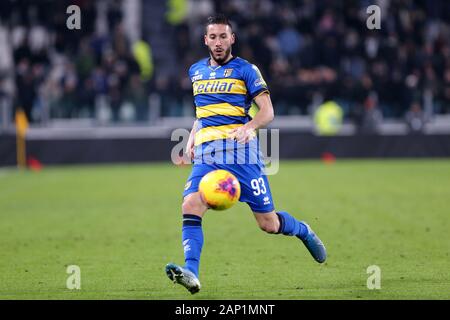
x=121, y=224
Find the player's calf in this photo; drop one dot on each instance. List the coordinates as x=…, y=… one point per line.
x=283, y=223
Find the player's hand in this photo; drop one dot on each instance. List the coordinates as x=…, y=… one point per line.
x=242, y=134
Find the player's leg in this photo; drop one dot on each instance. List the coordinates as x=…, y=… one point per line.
x=283, y=223
x=193, y=209
x=255, y=191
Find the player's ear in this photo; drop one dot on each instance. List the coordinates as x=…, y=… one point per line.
x=233, y=38
x=204, y=38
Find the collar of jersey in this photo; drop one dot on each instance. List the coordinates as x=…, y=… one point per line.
x=208, y=63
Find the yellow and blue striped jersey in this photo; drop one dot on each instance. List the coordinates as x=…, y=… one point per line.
x=223, y=96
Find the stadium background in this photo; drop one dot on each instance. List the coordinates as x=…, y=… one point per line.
x=123, y=74
x=114, y=91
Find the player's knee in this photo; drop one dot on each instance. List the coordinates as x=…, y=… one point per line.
x=193, y=205
x=189, y=206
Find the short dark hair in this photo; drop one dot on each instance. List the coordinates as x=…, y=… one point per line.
x=217, y=19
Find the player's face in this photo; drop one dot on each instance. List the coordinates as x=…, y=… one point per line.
x=219, y=40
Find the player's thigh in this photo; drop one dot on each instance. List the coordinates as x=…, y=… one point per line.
x=197, y=173
x=255, y=189
x=192, y=202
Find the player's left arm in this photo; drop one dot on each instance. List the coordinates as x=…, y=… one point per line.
x=262, y=118
x=258, y=90
x=265, y=114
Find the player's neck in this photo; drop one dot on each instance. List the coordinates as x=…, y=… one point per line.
x=214, y=63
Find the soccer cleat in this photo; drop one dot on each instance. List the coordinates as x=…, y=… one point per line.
x=314, y=245
x=184, y=277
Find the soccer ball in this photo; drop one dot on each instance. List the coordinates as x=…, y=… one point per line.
x=220, y=189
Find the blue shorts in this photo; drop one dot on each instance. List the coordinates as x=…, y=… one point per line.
x=255, y=190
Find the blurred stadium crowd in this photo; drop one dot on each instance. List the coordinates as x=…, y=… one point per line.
x=65, y=69
x=309, y=51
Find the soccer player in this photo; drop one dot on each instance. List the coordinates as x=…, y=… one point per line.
x=224, y=87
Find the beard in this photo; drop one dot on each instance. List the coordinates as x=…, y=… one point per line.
x=222, y=58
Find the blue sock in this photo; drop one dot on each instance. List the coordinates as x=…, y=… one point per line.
x=192, y=235
x=290, y=226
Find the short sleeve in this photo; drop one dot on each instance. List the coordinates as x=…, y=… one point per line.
x=254, y=81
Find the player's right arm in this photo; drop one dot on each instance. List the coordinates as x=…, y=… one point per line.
x=191, y=142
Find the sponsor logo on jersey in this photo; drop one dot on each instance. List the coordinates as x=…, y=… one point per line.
x=234, y=86
x=259, y=82
x=197, y=77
